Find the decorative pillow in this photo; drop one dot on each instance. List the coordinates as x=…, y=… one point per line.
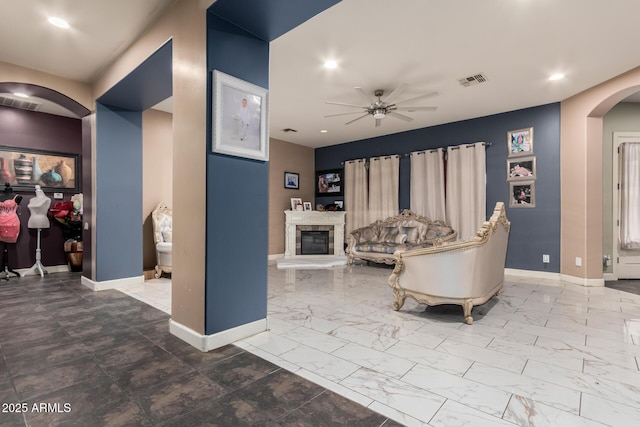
x=412, y=234
x=368, y=234
x=166, y=236
x=388, y=235
x=401, y=238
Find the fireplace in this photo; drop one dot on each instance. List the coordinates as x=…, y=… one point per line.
x=323, y=227
x=314, y=242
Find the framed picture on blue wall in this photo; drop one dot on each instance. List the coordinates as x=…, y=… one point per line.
x=521, y=168
x=240, y=126
x=523, y=194
x=520, y=142
x=329, y=183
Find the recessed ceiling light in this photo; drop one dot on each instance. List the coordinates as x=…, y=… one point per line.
x=330, y=64
x=58, y=22
x=324, y=131
x=21, y=94
x=556, y=76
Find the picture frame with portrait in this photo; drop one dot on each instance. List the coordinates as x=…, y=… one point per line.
x=292, y=180
x=522, y=194
x=295, y=202
x=520, y=142
x=307, y=206
x=240, y=122
x=329, y=183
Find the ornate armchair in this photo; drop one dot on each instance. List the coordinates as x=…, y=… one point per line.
x=162, y=234
x=464, y=272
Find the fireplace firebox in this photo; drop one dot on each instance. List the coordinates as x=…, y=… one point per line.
x=314, y=242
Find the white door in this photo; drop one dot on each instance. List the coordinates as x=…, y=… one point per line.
x=626, y=262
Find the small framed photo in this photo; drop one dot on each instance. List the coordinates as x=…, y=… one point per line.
x=240, y=126
x=329, y=183
x=522, y=194
x=307, y=206
x=296, y=204
x=292, y=180
x=339, y=204
x=521, y=168
x=520, y=142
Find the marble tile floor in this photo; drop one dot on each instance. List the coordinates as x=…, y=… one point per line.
x=544, y=353
x=73, y=357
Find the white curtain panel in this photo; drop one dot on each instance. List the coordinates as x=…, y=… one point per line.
x=630, y=196
x=427, y=183
x=384, y=177
x=356, y=196
x=466, y=188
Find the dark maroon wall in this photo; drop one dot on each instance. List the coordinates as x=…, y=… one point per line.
x=28, y=129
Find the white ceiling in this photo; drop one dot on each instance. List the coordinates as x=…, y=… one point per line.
x=378, y=44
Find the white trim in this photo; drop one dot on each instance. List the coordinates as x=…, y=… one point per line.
x=275, y=256
x=609, y=277
x=582, y=281
x=206, y=343
x=111, y=284
x=49, y=268
x=531, y=273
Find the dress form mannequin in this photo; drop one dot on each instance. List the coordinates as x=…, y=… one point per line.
x=9, y=225
x=38, y=206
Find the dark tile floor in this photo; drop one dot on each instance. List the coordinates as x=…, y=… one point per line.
x=631, y=286
x=70, y=356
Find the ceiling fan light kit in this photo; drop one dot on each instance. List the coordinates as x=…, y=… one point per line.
x=380, y=108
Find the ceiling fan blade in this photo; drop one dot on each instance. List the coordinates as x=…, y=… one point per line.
x=346, y=105
x=426, y=95
x=378, y=122
x=399, y=116
x=416, y=109
x=344, y=114
x=361, y=117
x=396, y=93
x=369, y=98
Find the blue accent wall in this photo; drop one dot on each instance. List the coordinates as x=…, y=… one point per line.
x=237, y=196
x=534, y=231
x=118, y=208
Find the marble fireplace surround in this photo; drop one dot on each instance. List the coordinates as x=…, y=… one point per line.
x=297, y=221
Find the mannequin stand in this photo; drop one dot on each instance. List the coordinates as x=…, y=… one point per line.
x=4, y=274
x=38, y=265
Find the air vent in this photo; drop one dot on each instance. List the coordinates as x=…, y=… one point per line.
x=289, y=130
x=18, y=103
x=473, y=80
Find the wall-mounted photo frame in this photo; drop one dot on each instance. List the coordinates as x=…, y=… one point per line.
x=307, y=206
x=292, y=180
x=522, y=194
x=329, y=183
x=240, y=126
x=520, y=142
x=521, y=168
x=296, y=204
x=24, y=168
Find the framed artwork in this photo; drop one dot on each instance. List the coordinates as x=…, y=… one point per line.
x=24, y=168
x=295, y=202
x=240, y=126
x=522, y=194
x=329, y=183
x=292, y=180
x=520, y=142
x=521, y=168
x=339, y=204
x=307, y=206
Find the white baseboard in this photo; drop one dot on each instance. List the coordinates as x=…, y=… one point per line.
x=50, y=269
x=531, y=273
x=609, y=277
x=111, y=284
x=275, y=256
x=582, y=281
x=206, y=343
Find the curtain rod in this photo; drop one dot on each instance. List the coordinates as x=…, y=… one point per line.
x=486, y=144
x=373, y=158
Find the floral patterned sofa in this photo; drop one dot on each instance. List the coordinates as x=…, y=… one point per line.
x=377, y=242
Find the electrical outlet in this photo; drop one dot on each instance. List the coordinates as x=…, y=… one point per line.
x=57, y=195
x=578, y=261
x=545, y=258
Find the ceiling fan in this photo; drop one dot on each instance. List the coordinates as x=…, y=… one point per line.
x=380, y=108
